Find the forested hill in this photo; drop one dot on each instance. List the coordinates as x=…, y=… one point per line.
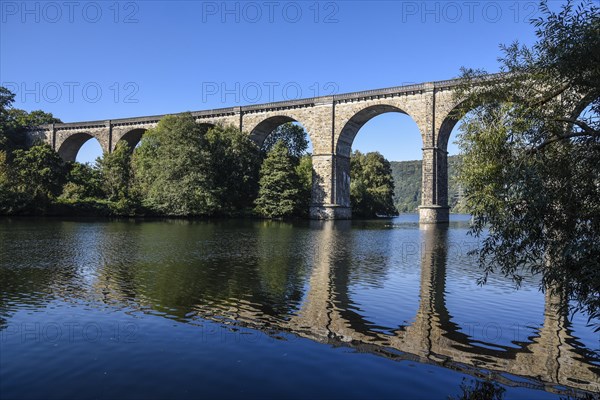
x=407, y=182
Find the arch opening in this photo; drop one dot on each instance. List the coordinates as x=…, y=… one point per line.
x=392, y=133
x=364, y=118
x=206, y=126
x=81, y=148
x=265, y=128
x=132, y=138
x=297, y=139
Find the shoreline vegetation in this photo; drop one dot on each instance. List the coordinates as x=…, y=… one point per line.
x=180, y=169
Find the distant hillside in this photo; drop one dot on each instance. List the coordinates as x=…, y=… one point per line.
x=407, y=181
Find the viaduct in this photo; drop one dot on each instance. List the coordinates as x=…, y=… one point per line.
x=332, y=122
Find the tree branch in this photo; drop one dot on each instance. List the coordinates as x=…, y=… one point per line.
x=586, y=128
x=559, y=138
x=550, y=96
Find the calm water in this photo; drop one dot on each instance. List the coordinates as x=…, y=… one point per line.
x=253, y=309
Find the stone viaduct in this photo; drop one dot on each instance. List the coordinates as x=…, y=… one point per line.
x=332, y=122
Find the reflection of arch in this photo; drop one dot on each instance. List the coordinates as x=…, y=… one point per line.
x=71, y=145
x=358, y=120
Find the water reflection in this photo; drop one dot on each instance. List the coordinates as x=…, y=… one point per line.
x=377, y=287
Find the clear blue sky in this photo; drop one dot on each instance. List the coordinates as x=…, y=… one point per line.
x=102, y=60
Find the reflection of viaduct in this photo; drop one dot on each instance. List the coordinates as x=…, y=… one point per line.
x=332, y=122
x=550, y=359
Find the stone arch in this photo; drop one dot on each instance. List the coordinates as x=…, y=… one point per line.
x=206, y=125
x=456, y=112
x=264, y=128
x=71, y=145
x=132, y=137
x=260, y=129
x=358, y=120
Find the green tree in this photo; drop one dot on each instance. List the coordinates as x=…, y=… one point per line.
x=279, y=187
x=116, y=173
x=304, y=172
x=6, y=99
x=24, y=119
x=371, y=185
x=234, y=167
x=14, y=122
x=293, y=136
x=530, y=165
x=84, y=181
x=38, y=173
x=172, y=168
x=8, y=197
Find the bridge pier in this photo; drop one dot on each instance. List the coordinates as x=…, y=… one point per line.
x=330, y=187
x=434, y=193
x=330, y=211
x=434, y=214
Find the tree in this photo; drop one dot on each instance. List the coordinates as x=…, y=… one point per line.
x=304, y=172
x=279, y=187
x=39, y=173
x=371, y=185
x=84, y=181
x=115, y=172
x=530, y=164
x=172, y=168
x=6, y=99
x=235, y=163
x=293, y=136
x=14, y=122
x=8, y=197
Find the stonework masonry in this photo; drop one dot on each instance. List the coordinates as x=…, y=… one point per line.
x=332, y=123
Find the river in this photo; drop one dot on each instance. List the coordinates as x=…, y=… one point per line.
x=261, y=309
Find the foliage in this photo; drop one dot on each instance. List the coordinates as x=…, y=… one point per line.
x=6, y=100
x=83, y=182
x=115, y=173
x=295, y=164
x=182, y=169
x=408, y=180
x=23, y=119
x=304, y=173
x=10, y=200
x=280, y=188
x=173, y=168
x=530, y=169
x=38, y=173
x=14, y=122
x=235, y=163
x=371, y=185
x=293, y=136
